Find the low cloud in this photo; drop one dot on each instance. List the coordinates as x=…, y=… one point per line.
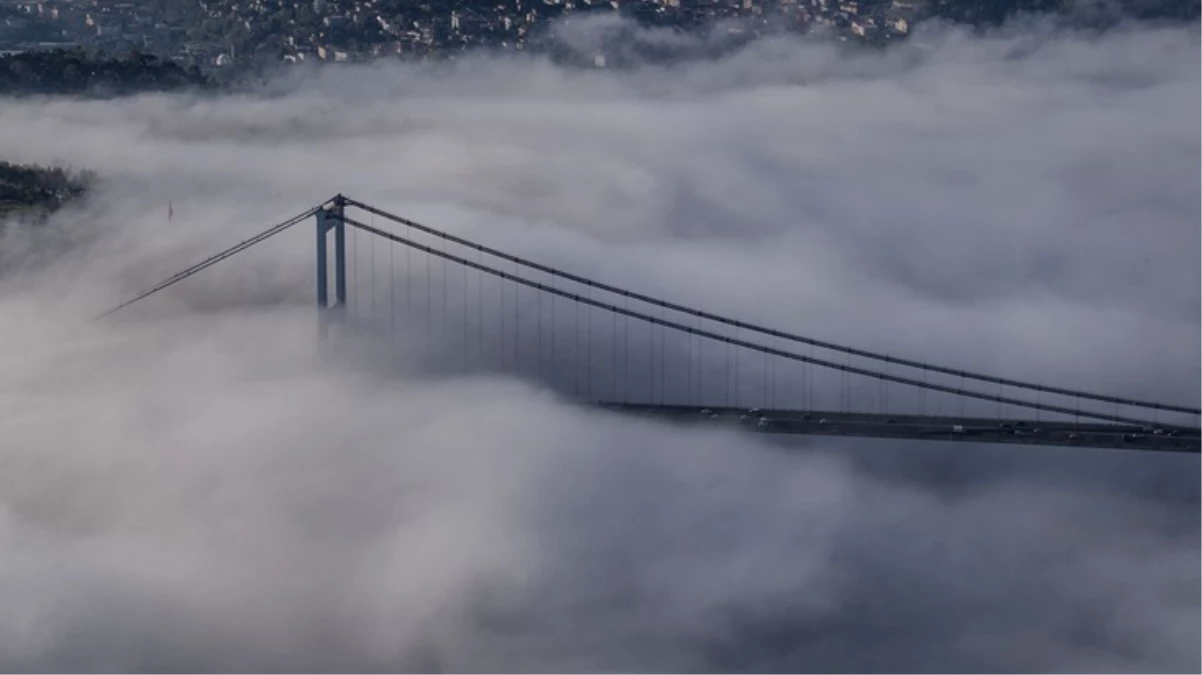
x=196, y=487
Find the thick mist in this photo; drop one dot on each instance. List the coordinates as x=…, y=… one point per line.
x=195, y=486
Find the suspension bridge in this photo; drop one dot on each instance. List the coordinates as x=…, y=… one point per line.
x=457, y=306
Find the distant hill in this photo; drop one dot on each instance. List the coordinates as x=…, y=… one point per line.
x=40, y=189
x=991, y=12
x=76, y=72
x=1090, y=12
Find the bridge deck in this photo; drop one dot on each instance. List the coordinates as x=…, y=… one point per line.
x=961, y=429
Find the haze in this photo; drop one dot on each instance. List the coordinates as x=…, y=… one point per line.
x=194, y=488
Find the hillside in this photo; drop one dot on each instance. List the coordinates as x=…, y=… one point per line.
x=78, y=72
x=37, y=188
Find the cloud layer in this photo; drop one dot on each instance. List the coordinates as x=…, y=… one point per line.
x=194, y=488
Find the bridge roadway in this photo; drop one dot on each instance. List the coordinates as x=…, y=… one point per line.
x=1164, y=438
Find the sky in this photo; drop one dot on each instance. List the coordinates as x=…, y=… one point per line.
x=197, y=486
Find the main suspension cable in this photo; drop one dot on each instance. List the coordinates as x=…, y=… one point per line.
x=212, y=260
x=851, y=351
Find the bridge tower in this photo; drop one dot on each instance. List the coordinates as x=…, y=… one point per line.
x=331, y=218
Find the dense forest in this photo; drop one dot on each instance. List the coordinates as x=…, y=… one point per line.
x=78, y=72
x=37, y=188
